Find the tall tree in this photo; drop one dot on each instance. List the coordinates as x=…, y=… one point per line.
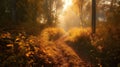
x=93, y=16
x=37, y=10
x=49, y=12
x=84, y=12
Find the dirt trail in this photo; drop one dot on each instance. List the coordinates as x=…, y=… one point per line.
x=59, y=54
x=68, y=54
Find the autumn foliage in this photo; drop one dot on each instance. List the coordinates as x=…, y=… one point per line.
x=55, y=47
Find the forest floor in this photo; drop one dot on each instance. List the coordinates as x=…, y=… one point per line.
x=54, y=53
x=53, y=47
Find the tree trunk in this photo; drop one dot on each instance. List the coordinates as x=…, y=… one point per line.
x=93, y=16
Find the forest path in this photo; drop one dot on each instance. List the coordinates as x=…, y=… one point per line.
x=68, y=54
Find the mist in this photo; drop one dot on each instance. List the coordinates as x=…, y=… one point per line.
x=69, y=14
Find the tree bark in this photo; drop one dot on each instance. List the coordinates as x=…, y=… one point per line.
x=93, y=16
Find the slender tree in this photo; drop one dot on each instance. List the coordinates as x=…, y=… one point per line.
x=93, y=16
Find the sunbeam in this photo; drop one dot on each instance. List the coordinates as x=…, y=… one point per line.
x=67, y=4
x=67, y=16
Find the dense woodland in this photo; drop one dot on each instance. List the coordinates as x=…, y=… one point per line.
x=30, y=36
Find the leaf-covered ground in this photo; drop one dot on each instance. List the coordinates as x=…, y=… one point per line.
x=53, y=47
x=46, y=50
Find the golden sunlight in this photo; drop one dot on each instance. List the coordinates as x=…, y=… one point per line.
x=67, y=4
x=67, y=13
